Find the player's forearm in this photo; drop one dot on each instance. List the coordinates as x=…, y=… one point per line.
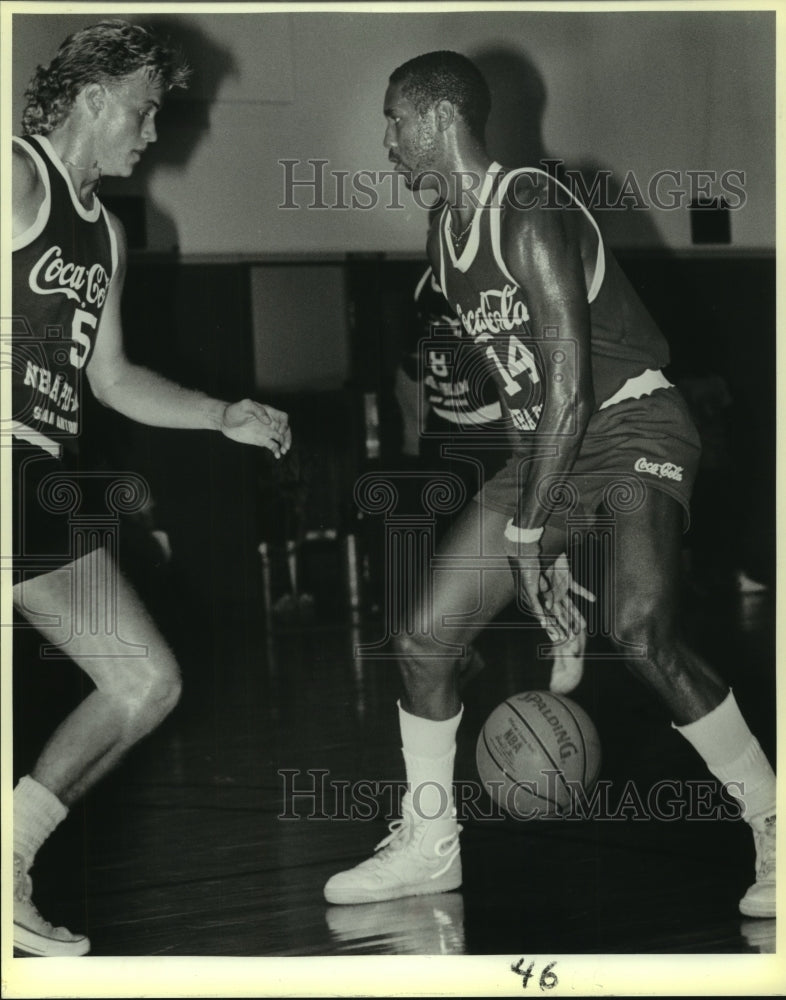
x=563, y=424
x=149, y=398
x=568, y=404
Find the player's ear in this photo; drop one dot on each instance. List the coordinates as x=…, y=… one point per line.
x=444, y=115
x=94, y=98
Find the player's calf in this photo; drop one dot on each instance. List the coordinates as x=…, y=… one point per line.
x=430, y=672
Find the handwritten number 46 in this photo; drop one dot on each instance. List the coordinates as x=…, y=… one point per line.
x=548, y=979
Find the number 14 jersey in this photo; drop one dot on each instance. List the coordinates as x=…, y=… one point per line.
x=625, y=340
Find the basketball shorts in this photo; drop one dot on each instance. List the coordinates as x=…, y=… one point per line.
x=475, y=454
x=628, y=448
x=48, y=498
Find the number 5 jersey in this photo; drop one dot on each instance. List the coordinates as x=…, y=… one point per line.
x=62, y=267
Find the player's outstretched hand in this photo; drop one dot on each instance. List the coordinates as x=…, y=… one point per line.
x=253, y=423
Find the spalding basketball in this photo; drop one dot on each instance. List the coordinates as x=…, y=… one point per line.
x=536, y=751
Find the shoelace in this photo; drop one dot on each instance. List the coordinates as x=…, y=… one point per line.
x=23, y=884
x=23, y=891
x=765, y=849
x=396, y=841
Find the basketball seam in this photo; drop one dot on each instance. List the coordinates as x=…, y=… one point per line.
x=543, y=747
x=510, y=777
x=580, y=731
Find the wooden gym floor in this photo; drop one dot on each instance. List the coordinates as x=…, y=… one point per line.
x=194, y=848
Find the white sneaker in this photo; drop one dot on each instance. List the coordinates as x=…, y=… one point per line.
x=568, y=667
x=32, y=934
x=759, y=900
x=418, y=857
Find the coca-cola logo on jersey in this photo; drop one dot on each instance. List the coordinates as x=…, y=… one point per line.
x=663, y=470
x=53, y=275
x=497, y=312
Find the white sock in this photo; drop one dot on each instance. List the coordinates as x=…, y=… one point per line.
x=37, y=812
x=734, y=755
x=429, y=750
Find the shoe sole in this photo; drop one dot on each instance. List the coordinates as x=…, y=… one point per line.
x=30, y=944
x=761, y=910
x=348, y=896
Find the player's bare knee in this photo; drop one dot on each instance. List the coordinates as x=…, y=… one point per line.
x=635, y=616
x=164, y=692
x=152, y=695
x=645, y=634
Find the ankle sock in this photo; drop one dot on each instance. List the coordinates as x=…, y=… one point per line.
x=429, y=749
x=37, y=812
x=734, y=756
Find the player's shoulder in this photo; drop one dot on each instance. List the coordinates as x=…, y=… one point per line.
x=530, y=207
x=28, y=189
x=24, y=171
x=527, y=189
x=432, y=239
x=118, y=230
x=115, y=224
x=434, y=222
x=120, y=243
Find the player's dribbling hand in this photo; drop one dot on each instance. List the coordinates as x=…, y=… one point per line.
x=546, y=592
x=557, y=584
x=250, y=422
x=524, y=559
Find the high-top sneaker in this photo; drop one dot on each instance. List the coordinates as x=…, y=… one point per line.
x=759, y=900
x=32, y=934
x=419, y=856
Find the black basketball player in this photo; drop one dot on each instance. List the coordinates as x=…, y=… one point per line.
x=90, y=113
x=578, y=363
x=452, y=417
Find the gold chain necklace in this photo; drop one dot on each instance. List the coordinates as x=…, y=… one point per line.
x=459, y=237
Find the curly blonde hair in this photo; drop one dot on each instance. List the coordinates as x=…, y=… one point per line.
x=103, y=53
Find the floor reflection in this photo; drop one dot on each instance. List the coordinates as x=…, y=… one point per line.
x=419, y=925
x=760, y=935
